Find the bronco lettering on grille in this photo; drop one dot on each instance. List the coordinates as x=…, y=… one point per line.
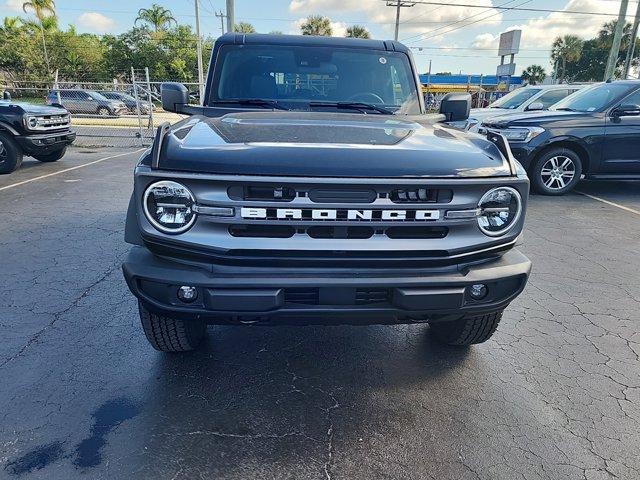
x=337, y=214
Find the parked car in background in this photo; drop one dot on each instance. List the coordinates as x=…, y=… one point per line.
x=128, y=100
x=86, y=101
x=595, y=132
x=41, y=132
x=526, y=99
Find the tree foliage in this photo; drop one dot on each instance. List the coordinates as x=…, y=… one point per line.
x=317, y=25
x=591, y=63
x=357, y=31
x=158, y=17
x=244, y=27
x=534, y=74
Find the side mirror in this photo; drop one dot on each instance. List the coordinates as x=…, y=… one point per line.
x=626, y=109
x=456, y=106
x=535, y=106
x=174, y=96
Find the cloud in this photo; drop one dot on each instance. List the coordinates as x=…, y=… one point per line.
x=96, y=22
x=419, y=21
x=14, y=5
x=338, y=29
x=539, y=33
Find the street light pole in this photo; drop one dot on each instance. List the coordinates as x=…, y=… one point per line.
x=199, y=53
x=632, y=43
x=615, y=46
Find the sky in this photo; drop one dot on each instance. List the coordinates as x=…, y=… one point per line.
x=455, y=38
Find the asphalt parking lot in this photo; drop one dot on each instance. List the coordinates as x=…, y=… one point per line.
x=554, y=395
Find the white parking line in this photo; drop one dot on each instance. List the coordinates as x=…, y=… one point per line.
x=608, y=202
x=68, y=169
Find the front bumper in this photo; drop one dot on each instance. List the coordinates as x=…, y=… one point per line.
x=337, y=296
x=45, y=143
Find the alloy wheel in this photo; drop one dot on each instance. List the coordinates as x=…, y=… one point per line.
x=558, y=172
x=3, y=152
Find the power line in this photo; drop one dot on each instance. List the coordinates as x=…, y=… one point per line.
x=456, y=22
x=520, y=9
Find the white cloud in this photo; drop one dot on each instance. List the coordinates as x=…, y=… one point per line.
x=539, y=33
x=338, y=29
x=419, y=21
x=14, y=5
x=96, y=22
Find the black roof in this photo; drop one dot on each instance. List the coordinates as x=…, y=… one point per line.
x=310, y=41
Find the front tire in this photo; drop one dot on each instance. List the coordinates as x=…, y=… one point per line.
x=103, y=111
x=53, y=156
x=468, y=330
x=556, y=171
x=10, y=154
x=168, y=334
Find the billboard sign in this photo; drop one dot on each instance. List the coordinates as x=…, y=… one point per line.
x=509, y=43
x=505, y=70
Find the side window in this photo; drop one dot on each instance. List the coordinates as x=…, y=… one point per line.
x=554, y=96
x=65, y=94
x=82, y=95
x=633, y=99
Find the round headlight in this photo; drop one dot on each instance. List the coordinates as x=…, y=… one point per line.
x=169, y=206
x=33, y=122
x=500, y=209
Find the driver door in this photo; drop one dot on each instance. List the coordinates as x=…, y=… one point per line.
x=621, y=152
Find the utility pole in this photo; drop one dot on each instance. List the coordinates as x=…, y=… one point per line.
x=221, y=16
x=615, y=46
x=632, y=43
x=398, y=4
x=199, y=53
x=231, y=15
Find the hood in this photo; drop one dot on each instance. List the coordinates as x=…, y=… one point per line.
x=532, y=118
x=482, y=113
x=328, y=144
x=33, y=109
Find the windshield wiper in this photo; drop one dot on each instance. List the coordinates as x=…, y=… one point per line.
x=352, y=106
x=258, y=102
x=565, y=109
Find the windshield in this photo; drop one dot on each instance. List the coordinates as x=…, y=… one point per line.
x=593, y=99
x=297, y=76
x=96, y=95
x=515, y=99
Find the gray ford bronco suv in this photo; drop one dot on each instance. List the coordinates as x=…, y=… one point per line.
x=312, y=187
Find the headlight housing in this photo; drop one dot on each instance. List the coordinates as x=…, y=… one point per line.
x=499, y=210
x=521, y=134
x=169, y=206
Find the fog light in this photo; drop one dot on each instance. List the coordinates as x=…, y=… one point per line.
x=187, y=294
x=478, y=291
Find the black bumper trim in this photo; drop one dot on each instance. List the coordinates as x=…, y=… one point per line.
x=155, y=281
x=42, y=143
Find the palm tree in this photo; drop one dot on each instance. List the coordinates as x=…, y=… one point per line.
x=357, y=31
x=566, y=49
x=156, y=16
x=42, y=10
x=11, y=24
x=534, y=74
x=244, y=27
x=316, y=25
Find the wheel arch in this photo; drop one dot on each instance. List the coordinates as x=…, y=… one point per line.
x=571, y=144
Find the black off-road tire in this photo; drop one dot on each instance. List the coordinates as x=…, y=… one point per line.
x=538, y=180
x=53, y=156
x=168, y=334
x=10, y=154
x=467, y=331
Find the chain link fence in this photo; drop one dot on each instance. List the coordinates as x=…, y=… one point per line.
x=104, y=114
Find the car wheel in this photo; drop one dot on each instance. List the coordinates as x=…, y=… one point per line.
x=556, y=172
x=53, y=156
x=168, y=334
x=103, y=111
x=10, y=154
x=468, y=330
